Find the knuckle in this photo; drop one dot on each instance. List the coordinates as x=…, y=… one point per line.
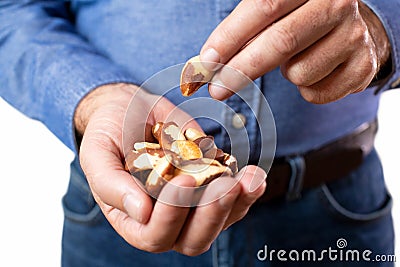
x=193, y=251
x=228, y=34
x=237, y=216
x=359, y=34
x=366, y=71
x=241, y=215
x=313, y=96
x=255, y=58
x=268, y=7
x=155, y=246
x=344, y=7
x=371, y=65
x=297, y=73
x=284, y=42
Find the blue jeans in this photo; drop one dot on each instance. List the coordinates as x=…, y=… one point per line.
x=336, y=224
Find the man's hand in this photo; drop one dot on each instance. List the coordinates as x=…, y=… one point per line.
x=329, y=49
x=159, y=227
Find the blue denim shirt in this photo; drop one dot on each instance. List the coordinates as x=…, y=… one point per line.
x=52, y=53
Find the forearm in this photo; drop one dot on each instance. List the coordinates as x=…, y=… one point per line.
x=47, y=68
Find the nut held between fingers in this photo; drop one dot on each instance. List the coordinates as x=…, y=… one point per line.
x=193, y=76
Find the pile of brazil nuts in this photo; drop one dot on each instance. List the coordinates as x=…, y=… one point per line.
x=177, y=152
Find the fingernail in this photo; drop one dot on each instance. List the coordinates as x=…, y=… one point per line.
x=218, y=91
x=133, y=207
x=210, y=59
x=257, y=180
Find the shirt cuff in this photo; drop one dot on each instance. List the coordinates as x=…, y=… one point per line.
x=77, y=75
x=387, y=12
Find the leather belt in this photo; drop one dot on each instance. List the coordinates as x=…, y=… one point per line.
x=288, y=176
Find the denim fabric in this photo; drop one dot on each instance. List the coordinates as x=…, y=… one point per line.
x=355, y=208
x=54, y=52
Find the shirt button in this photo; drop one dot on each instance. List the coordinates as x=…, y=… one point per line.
x=238, y=121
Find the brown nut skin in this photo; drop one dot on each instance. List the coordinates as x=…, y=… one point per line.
x=142, y=175
x=167, y=133
x=193, y=76
x=205, y=143
x=190, y=153
x=142, y=160
x=203, y=170
x=231, y=162
x=215, y=153
x=162, y=172
x=138, y=146
x=156, y=130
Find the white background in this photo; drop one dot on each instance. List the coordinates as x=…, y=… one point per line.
x=35, y=169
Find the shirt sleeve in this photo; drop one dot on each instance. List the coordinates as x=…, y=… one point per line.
x=46, y=68
x=388, y=13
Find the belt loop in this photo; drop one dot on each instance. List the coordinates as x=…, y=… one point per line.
x=298, y=169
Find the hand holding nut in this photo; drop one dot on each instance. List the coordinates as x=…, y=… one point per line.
x=155, y=226
x=190, y=153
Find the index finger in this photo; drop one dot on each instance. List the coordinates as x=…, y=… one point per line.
x=276, y=45
x=248, y=19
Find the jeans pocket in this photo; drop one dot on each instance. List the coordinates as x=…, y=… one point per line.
x=78, y=202
x=361, y=196
x=340, y=210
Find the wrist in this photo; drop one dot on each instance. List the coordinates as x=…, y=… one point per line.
x=100, y=97
x=378, y=35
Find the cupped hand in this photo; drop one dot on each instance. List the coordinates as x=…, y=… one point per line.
x=329, y=49
x=153, y=227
